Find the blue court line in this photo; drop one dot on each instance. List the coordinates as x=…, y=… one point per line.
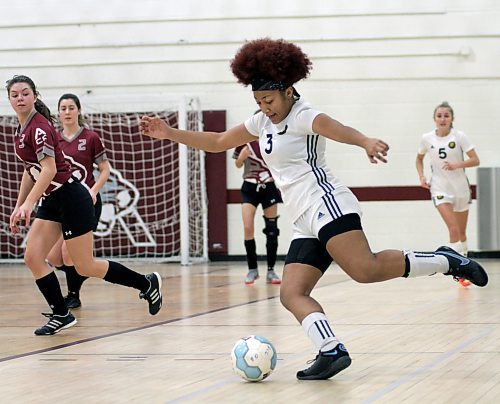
x=412, y=375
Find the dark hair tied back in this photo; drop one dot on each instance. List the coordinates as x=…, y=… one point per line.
x=39, y=104
x=76, y=100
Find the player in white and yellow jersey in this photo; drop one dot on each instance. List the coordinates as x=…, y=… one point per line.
x=325, y=213
x=449, y=186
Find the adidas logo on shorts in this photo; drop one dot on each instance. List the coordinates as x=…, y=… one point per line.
x=320, y=215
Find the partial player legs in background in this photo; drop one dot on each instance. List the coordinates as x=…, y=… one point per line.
x=253, y=272
x=75, y=282
x=272, y=232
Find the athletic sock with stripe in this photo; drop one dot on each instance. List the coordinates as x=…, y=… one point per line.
x=424, y=264
x=319, y=331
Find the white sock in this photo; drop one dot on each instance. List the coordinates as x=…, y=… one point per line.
x=425, y=264
x=319, y=331
x=465, y=248
x=457, y=246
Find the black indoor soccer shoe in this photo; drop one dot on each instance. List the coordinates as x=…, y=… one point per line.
x=327, y=364
x=153, y=294
x=463, y=267
x=72, y=301
x=56, y=323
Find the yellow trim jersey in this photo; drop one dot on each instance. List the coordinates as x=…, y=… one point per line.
x=449, y=148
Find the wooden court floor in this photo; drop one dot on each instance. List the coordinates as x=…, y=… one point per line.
x=425, y=340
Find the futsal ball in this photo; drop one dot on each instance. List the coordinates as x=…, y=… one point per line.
x=254, y=358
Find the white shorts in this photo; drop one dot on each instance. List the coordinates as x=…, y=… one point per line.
x=324, y=211
x=459, y=203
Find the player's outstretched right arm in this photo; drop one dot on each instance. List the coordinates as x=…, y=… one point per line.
x=209, y=141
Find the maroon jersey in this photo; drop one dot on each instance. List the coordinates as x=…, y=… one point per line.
x=35, y=140
x=254, y=169
x=82, y=151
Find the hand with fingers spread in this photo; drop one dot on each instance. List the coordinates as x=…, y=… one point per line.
x=376, y=149
x=154, y=127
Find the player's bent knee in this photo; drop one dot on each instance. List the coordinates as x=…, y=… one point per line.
x=286, y=298
x=32, y=259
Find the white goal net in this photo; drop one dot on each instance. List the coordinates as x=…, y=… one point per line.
x=154, y=203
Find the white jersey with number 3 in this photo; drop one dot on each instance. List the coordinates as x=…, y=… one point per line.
x=450, y=148
x=295, y=156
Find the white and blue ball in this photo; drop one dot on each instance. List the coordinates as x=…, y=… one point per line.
x=254, y=358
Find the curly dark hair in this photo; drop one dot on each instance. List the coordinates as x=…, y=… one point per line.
x=277, y=60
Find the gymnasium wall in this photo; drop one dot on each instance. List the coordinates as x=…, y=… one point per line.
x=380, y=67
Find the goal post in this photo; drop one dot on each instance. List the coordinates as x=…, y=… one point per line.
x=154, y=203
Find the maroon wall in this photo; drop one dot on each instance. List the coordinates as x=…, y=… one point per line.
x=216, y=188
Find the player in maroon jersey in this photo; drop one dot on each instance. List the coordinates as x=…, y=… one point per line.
x=65, y=206
x=82, y=148
x=258, y=188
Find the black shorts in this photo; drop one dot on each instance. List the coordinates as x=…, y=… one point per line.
x=313, y=252
x=266, y=194
x=71, y=205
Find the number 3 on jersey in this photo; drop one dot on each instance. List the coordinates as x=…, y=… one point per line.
x=269, y=144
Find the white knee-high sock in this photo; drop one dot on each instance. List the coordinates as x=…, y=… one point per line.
x=424, y=264
x=319, y=331
x=464, y=249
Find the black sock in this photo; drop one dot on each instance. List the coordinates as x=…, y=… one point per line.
x=272, y=248
x=74, y=280
x=51, y=290
x=251, y=253
x=120, y=274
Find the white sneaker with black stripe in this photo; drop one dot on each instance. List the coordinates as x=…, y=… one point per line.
x=56, y=323
x=153, y=294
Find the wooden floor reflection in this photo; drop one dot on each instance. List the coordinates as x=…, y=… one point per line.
x=417, y=340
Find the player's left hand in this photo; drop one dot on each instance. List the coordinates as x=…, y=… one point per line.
x=376, y=150
x=449, y=166
x=154, y=127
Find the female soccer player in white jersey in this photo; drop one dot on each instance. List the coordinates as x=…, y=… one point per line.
x=65, y=206
x=449, y=186
x=82, y=148
x=325, y=213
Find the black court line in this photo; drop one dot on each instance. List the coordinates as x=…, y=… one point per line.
x=144, y=327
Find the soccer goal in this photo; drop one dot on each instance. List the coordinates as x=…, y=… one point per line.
x=154, y=203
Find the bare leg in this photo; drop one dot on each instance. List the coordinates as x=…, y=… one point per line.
x=298, y=282
x=352, y=253
x=450, y=219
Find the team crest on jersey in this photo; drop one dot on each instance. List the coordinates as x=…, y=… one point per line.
x=40, y=136
x=440, y=197
x=452, y=145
